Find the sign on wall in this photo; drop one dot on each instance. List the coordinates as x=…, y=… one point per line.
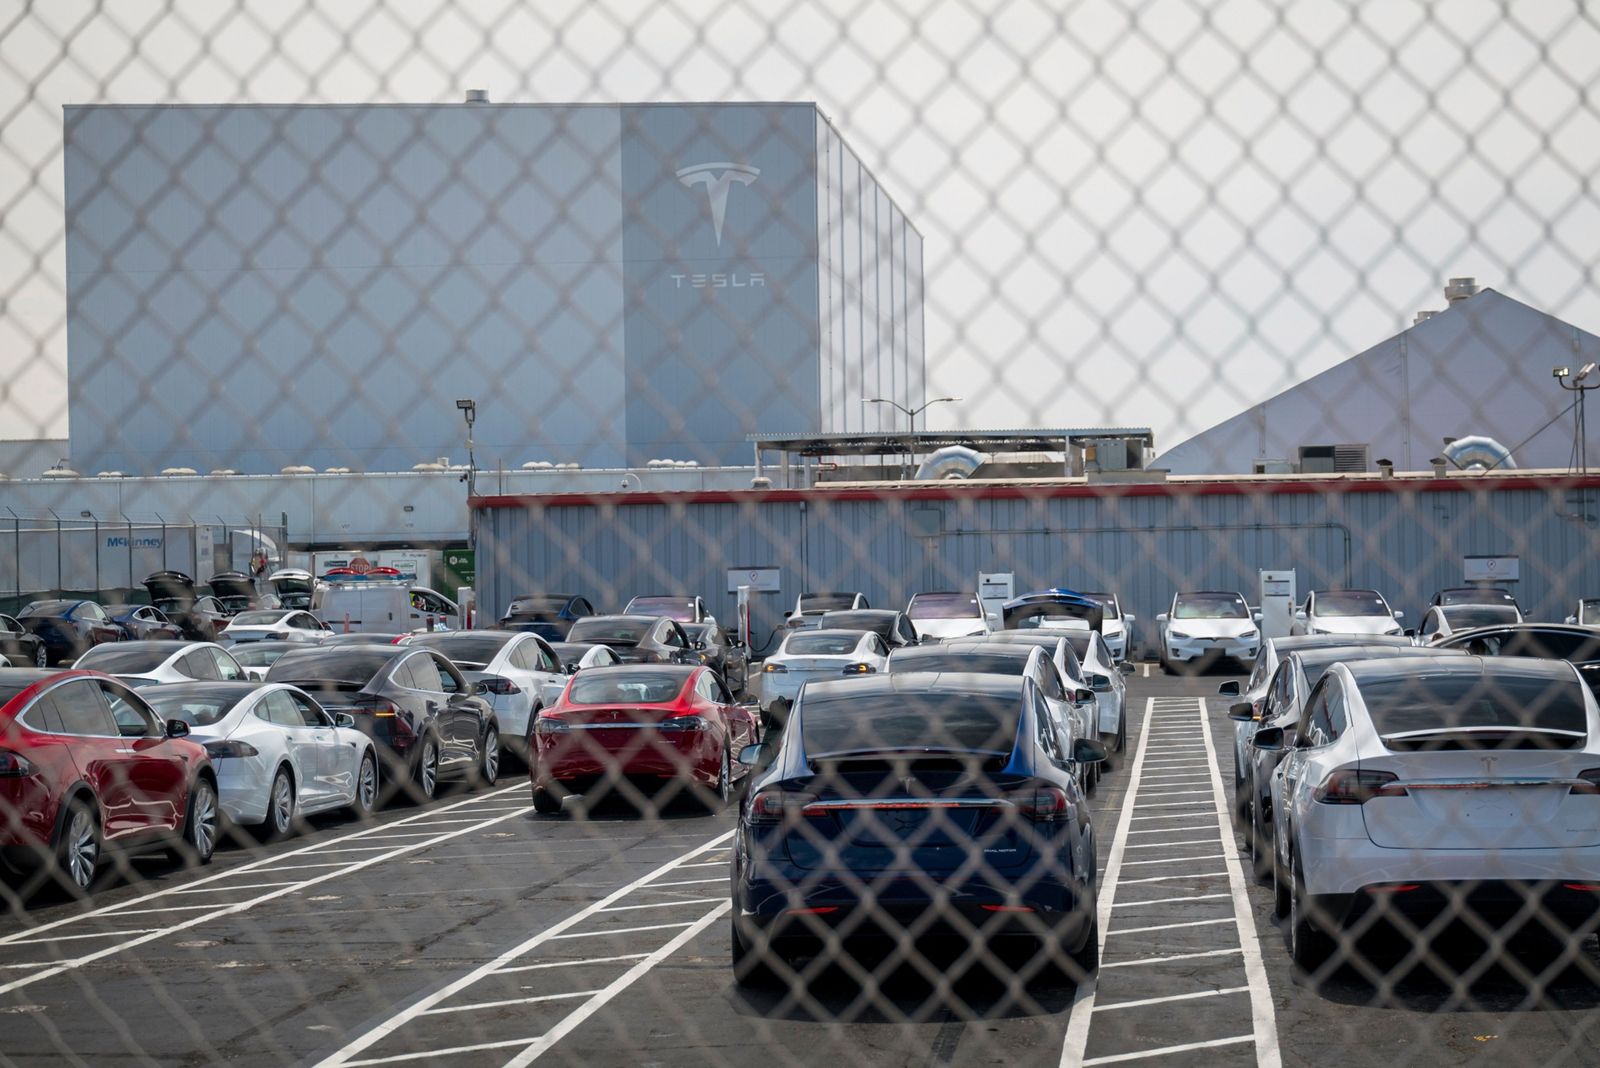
x=759, y=579
x=1491, y=568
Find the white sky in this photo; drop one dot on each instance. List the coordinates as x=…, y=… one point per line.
x=1135, y=213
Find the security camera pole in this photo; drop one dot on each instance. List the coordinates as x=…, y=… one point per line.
x=1582, y=429
x=469, y=412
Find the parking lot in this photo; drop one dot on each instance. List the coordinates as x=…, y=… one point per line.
x=477, y=932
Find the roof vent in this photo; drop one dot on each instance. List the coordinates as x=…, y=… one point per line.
x=1475, y=452
x=477, y=96
x=178, y=472
x=1460, y=289
x=115, y=474
x=298, y=469
x=425, y=467
x=537, y=465
x=217, y=471
x=1423, y=316
x=950, y=462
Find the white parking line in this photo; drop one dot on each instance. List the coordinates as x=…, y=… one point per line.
x=606, y=932
x=541, y=966
x=1171, y=926
x=663, y=904
x=476, y=1005
x=1173, y=860
x=1165, y=1051
x=1196, y=995
x=1168, y=900
x=1142, y=961
x=1169, y=878
x=75, y=937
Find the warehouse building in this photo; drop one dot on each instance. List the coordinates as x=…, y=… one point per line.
x=257, y=287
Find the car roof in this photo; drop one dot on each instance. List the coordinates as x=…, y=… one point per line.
x=1289, y=643
x=862, y=613
x=843, y=632
x=1021, y=650
x=209, y=686
x=1462, y=667
x=915, y=682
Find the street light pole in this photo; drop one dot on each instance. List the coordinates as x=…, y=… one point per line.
x=469, y=412
x=1560, y=374
x=911, y=417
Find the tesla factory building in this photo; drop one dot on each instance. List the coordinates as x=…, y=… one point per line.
x=254, y=287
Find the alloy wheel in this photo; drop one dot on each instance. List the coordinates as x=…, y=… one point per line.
x=428, y=772
x=83, y=849
x=367, y=785
x=491, y=757
x=41, y=658
x=205, y=821
x=282, y=809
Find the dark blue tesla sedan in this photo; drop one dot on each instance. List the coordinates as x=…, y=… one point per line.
x=898, y=809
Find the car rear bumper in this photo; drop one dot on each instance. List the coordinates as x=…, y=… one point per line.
x=1568, y=906
x=242, y=785
x=580, y=755
x=1350, y=865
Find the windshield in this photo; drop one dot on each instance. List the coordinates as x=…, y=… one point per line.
x=115, y=660
x=679, y=608
x=548, y=607
x=1210, y=606
x=1104, y=600
x=610, y=631
x=255, y=654
x=331, y=667
x=196, y=706
x=257, y=619
x=611, y=687
x=980, y=663
x=841, y=723
x=1465, y=702
x=464, y=649
x=1351, y=603
x=825, y=602
x=944, y=606
x=821, y=644
x=879, y=623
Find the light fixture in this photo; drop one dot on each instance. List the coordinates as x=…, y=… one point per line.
x=1585, y=372
x=1560, y=372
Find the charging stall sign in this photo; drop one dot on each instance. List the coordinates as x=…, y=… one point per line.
x=1491, y=568
x=759, y=579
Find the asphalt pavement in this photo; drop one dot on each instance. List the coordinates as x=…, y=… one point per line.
x=476, y=932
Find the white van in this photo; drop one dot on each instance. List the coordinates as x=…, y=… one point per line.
x=383, y=608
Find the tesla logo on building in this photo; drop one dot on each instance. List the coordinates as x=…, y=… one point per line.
x=718, y=178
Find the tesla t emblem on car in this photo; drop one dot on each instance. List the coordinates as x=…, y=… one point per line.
x=718, y=178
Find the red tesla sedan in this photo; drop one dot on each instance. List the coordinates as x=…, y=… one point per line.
x=87, y=767
x=645, y=723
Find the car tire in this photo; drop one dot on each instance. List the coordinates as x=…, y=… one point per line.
x=41, y=657
x=1122, y=732
x=280, y=807
x=1308, y=948
x=1259, y=844
x=546, y=803
x=202, y=826
x=425, y=780
x=368, y=787
x=80, y=850
x=489, y=763
x=724, y=790
x=1085, y=960
x=752, y=968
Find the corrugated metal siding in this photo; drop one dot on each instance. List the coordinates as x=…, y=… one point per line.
x=1407, y=544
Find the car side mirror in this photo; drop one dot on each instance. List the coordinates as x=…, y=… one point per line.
x=1100, y=683
x=1300, y=613
x=1229, y=689
x=571, y=669
x=1127, y=668
x=1129, y=617
x=1410, y=632
x=1088, y=751
x=1243, y=711
x=1268, y=739
x=757, y=756
x=1399, y=614
x=1162, y=618
x=699, y=643
x=1082, y=697
x=1255, y=617
x=344, y=719
x=176, y=728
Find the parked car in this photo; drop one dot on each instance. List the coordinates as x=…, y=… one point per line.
x=1346, y=612
x=1587, y=613
x=512, y=670
x=68, y=628
x=683, y=609
x=150, y=663
x=1085, y=663
x=1071, y=708
x=942, y=615
x=636, y=639
x=1412, y=779
x=278, y=755
x=809, y=607
x=1579, y=646
x=576, y=657
x=721, y=651
x=292, y=587
x=365, y=638
x=1116, y=626
x=237, y=592
x=807, y=655
x=1441, y=621
x=417, y=707
x=649, y=724
x=201, y=617
x=354, y=604
x=144, y=622
x=1286, y=695
x=1205, y=625
x=1481, y=595
x=257, y=657
x=86, y=768
x=549, y=615
x=274, y=624
x=920, y=806
x=20, y=646
x=892, y=626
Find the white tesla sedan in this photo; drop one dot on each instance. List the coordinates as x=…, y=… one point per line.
x=1462, y=786
x=1207, y=623
x=274, y=624
x=150, y=663
x=942, y=616
x=511, y=669
x=1346, y=612
x=576, y=657
x=816, y=654
x=278, y=754
x=1115, y=626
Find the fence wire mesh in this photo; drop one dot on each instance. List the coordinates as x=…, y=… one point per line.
x=827, y=532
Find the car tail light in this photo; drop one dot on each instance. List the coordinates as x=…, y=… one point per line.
x=817, y=910
x=1048, y=804
x=225, y=750
x=500, y=687
x=771, y=805
x=1009, y=908
x=682, y=723
x=382, y=710
x=1583, y=888
x=773, y=669
x=548, y=724
x=860, y=669
x=14, y=765
x=1589, y=782
x=1352, y=787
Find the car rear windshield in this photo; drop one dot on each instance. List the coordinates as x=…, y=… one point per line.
x=944, y=606
x=257, y=619
x=196, y=708
x=679, y=608
x=980, y=663
x=1466, y=616
x=332, y=667
x=610, y=631
x=625, y=687
x=464, y=648
x=826, y=602
x=536, y=607
x=1578, y=646
x=1210, y=606
x=1442, y=703
x=821, y=644
x=46, y=608
x=971, y=723
x=1486, y=597
x=1351, y=603
x=254, y=654
x=117, y=661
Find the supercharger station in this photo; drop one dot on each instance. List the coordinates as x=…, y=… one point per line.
x=1278, y=598
x=742, y=610
x=994, y=590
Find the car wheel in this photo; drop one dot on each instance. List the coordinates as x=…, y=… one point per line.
x=1308, y=947
x=41, y=657
x=280, y=807
x=751, y=968
x=546, y=803
x=200, y=827
x=724, y=781
x=1086, y=958
x=489, y=766
x=366, y=802
x=79, y=851
x=427, y=776
x=1259, y=844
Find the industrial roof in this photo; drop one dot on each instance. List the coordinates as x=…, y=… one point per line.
x=873, y=443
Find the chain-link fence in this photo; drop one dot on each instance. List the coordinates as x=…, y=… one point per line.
x=859, y=532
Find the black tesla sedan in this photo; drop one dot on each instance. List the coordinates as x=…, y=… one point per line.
x=68, y=627
x=637, y=639
x=424, y=717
